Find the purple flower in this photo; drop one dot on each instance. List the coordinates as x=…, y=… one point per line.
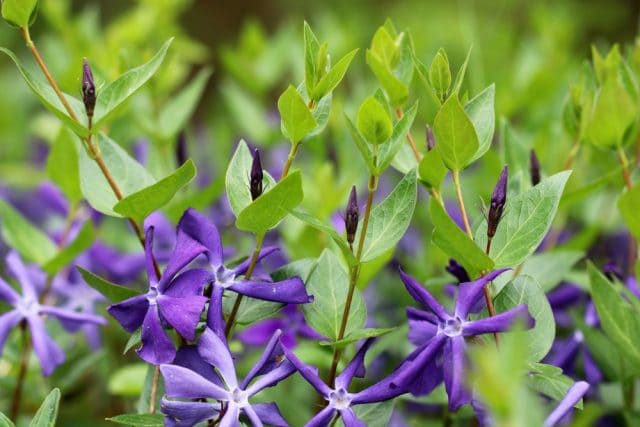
x=438, y=331
x=498, y=200
x=202, y=231
x=565, y=406
x=172, y=298
x=232, y=396
x=27, y=308
x=339, y=399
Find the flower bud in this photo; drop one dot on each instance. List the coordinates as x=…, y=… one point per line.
x=534, y=167
x=457, y=271
x=352, y=216
x=431, y=139
x=181, y=149
x=88, y=88
x=498, y=200
x=255, y=180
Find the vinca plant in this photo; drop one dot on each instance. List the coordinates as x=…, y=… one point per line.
x=368, y=247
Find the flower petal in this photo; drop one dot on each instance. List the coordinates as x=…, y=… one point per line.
x=258, y=334
x=454, y=373
x=286, y=291
x=309, y=373
x=253, y=417
x=199, y=228
x=422, y=326
x=232, y=417
x=272, y=377
x=182, y=313
x=355, y=368
x=7, y=322
x=19, y=271
x=470, y=292
x=322, y=418
x=130, y=313
x=186, y=250
x=269, y=413
x=242, y=268
x=350, y=419
x=183, y=383
x=565, y=406
x=188, y=357
x=214, y=351
x=148, y=256
x=156, y=348
x=46, y=349
x=422, y=296
x=191, y=282
x=498, y=323
x=8, y=294
x=186, y=414
x=73, y=316
x=215, y=320
x=271, y=357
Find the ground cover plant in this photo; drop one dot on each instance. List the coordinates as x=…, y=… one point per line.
x=358, y=231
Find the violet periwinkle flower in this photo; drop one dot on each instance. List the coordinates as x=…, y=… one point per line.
x=27, y=308
x=431, y=139
x=574, y=394
x=88, y=88
x=534, y=168
x=339, y=399
x=351, y=216
x=498, y=200
x=457, y=271
x=439, y=332
x=183, y=383
x=202, y=231
x=255, y=178
x=172, y=298
x=181, y=149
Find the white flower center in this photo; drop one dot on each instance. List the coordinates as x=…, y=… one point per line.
x=224, y=276
x=452, y=327
x=28, y=307
x=239, y=397
x=340, y=399
x=152, y=295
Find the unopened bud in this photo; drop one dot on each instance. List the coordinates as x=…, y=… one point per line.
x=352, y=216
x=534, y=167
x=457, y=271
x=431, y=139
x=88, y=88
x=181, y=149
x=498, y=200
x=255, y=180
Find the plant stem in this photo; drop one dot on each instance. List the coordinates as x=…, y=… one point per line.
x=247, y=276
x=624, y=162
x=487, y=293
x=465, y=219
x=436, y=194
x=22, y=373
x=292, y=155
x=412, y=143
x=572, y=155
x=154, y=390
x=355, y=273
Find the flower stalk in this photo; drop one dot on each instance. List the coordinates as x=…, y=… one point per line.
x=463, y=211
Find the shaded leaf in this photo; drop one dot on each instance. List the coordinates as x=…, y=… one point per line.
x=111, y=291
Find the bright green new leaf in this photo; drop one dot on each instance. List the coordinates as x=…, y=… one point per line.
x=320, y=111
x=21, y=13
x=363, y=147
x=526, y=220
x=613, y=112
x=390, y=219
x=357, y=336
x=179, y=109
x=455, y=243
x=456, y=137
x=431, y=169
x=142, y=203
x=329, y=284
x=629, y=206
x=296, y=119
x=139, y=420
x=397, y=91
x=334, y=76
x=384, y=47
x=24, y=237
x=525, y=290
x=271, y=207
x=373, y=122
x=82, y=242
x=111, y=291
x=311, y=49
x=440, y=73
x=48, y=411
x=62, y=165
x=50, y=99
x=548, y=380
x=127, y=380
x=117, y=92
x=129, y=175
x=550, y=267
x=5, y=421
x=389, y=150
x=461, y=73
x=482, y=114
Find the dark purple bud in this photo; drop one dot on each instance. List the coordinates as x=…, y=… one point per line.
x=612, y=271
x=181, y=148
x=498, y=199
x=255, y=180
x=457, y=271
x=352, y=216
x=88, y=88
x=431, y=139
x=534, y=166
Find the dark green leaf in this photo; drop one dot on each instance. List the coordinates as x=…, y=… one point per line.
x=24, y=237
x=111, y=291
x=357, y=336
x=62, y=165
x=134, y=340
x=48, y=412
x=83, y=241
x=456, y=137
x=139, y=420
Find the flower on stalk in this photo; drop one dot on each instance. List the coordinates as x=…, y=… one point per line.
x=351, y=217
x=173, y=298
x=202, y=231
x=534, y=168
x=339, y=399
x=88, y=88
x=256, y=176
x=440, y=333
x=498, y=200
x=431, y=139
x=458, y=271
x=28, y=309
x=183, y=383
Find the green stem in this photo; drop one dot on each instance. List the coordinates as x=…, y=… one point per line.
x=22, y=373
x=247, y=276
x=465, y=219
x=292, y=155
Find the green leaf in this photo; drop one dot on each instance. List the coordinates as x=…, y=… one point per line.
x=329, y=284
x=357, y=336
x=431, y=169
x=117, y=92
x=142, y=405
x=50, y=99
x=456, y=138
x=19, y=234
x=20, y=13
x=129, y=175
x=237, y=179
x=629, y=206
x=482, y=114
x=551, y=383
x=271, y=207
x=62, y=165
x=320, y=110
x=440, y=74
x=461, y=73
x=549, y=268
x=525, y=290
x=179, y=109
x=142, y=203
x=390, y=219
x=139, y=420
x=374, y=122
x=362, y=145
x=389, y=150
x=397, y=91
x=455, y=243
x=83, y=241
x=127, y=380
x=5, y=421
x=384, y=47
x=334, y=76
x=48, y=411
x=111, y=291
x=527, y=219
x=374, y=414
x=619, y=319
x=311, y=49
x=296, y=119
x=134, y=339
